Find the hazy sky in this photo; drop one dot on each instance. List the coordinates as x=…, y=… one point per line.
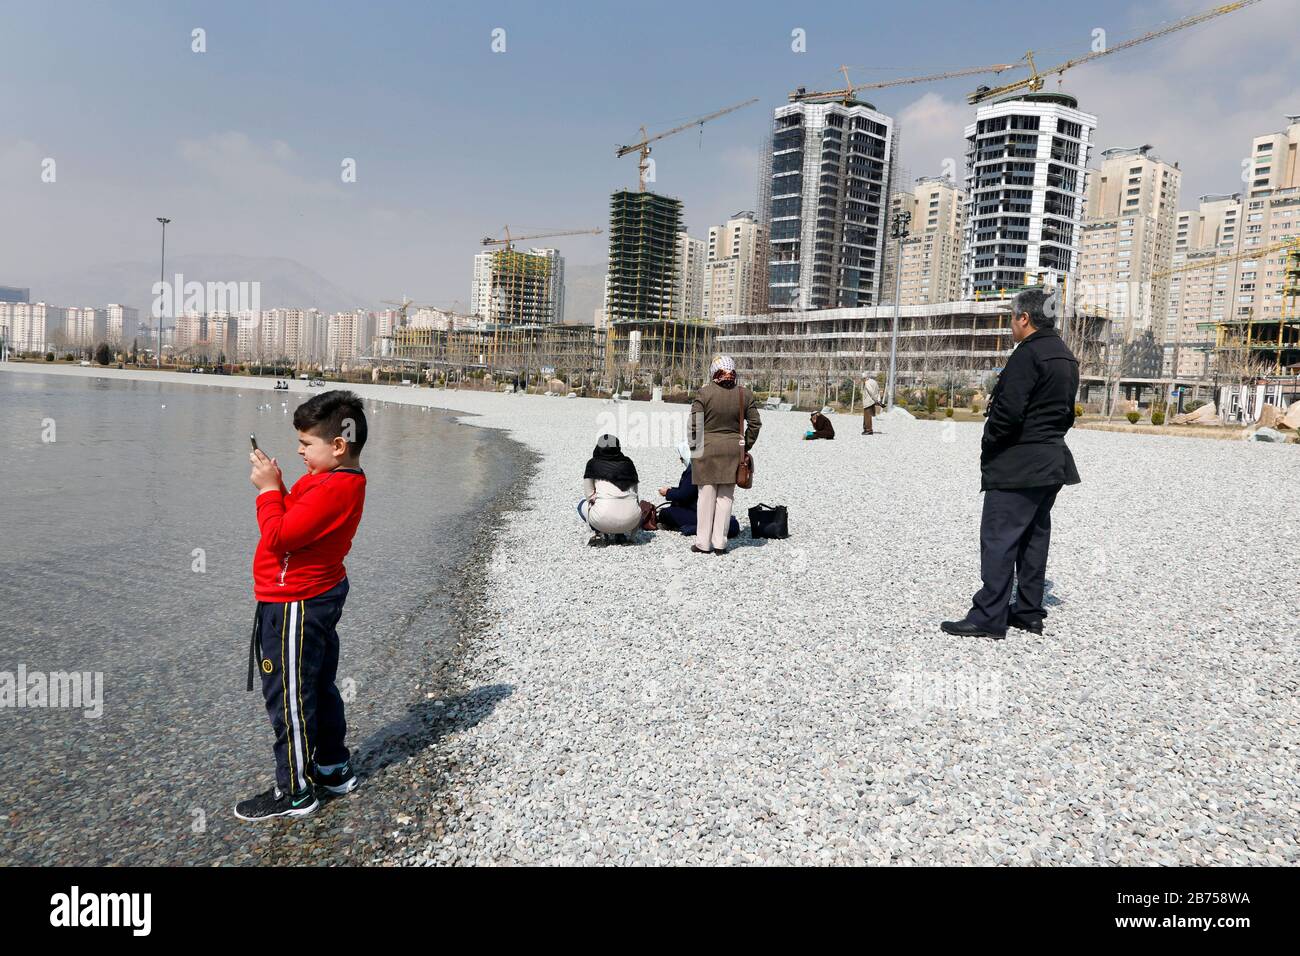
x=242, y=145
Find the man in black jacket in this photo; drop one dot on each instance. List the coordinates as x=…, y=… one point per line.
x=1024, y=462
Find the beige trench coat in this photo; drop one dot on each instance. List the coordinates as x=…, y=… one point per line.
x=714, y=432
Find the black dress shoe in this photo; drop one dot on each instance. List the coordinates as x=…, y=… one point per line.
x=1021, y=624
x=699, y=550
x=721, y=550
x=964, y=628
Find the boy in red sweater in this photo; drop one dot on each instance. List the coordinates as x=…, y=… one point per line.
x=300, y=585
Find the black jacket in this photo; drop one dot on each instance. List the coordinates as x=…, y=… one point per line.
x=1030, y=410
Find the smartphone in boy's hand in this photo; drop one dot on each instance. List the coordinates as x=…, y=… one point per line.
x=266, y=473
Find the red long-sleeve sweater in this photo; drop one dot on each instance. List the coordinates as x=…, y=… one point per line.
x=306, y=534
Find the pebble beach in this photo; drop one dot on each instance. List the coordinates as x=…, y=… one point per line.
x=795, y=703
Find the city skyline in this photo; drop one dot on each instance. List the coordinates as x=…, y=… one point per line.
x=249, y=173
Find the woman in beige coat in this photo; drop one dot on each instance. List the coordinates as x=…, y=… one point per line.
x=717, y=447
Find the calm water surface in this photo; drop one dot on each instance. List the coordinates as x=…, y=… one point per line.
x=127, y=544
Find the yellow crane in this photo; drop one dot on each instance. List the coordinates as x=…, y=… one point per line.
x=1210, y=263
x=643, y=147
x=1034, y=82
x=846, y=94
x=509, y=240
x=405, y=304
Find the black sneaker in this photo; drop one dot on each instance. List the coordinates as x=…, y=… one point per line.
x=341, y=781
x=273, y=803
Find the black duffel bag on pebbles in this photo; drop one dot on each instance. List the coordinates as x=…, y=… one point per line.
x=768, y=521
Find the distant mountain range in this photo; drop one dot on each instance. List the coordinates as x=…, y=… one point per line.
x=584, y=292
x=285, y=283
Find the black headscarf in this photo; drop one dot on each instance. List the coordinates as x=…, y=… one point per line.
x=608, y=463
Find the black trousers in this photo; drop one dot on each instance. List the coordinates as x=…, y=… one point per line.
x=1015, y=531
x=297, y=652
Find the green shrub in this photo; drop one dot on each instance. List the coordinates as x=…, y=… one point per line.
x=948, y=412
x=974, y=408
x=1157, y=418
x=931, y=401
x=1078, y=410
x=1193, y=405
x=49, y=356
x=1132, y=417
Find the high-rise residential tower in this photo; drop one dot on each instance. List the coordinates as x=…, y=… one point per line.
x=735, y=272
x=121, y=324
x=831, y=169
x=1026, y=160
x=1262, y=315
x=1201, y=298
x=688, y=291
x=1128, y=242
x=931, y=255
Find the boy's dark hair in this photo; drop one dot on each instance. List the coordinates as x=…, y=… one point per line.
x=1039, y=303
x=334, y=414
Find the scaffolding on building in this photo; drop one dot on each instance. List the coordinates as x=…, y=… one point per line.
x=529, y=353
x=642, y=256
x=672, y=353
x=1250, y=345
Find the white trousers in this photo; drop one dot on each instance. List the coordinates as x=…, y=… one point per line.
x=713, y=515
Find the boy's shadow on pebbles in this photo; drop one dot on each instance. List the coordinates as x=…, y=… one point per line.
x=352, y=828
x=425, y=724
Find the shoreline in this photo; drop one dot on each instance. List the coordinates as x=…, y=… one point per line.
x=443, y=699
x=796, y=704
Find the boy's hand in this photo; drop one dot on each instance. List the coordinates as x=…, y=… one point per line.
x=266, y=473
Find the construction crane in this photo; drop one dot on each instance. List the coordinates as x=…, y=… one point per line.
x=643, y=147
x=1034, y=82
x=409, y=304
x=1254, y=253
x=846, y=94
x=509, y=240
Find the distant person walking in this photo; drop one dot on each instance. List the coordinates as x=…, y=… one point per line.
x=1024, y=461
x=871, y=405
x=718, y=445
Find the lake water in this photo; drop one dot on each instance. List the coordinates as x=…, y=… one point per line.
x=127, y=545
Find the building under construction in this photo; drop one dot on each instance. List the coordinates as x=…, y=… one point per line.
x=674, y=354
x=645, y=345
x=533, y=352
x=520, y=288
x=642, y=255
x=1248, y=345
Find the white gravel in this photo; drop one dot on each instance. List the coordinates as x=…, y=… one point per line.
x=795, y=702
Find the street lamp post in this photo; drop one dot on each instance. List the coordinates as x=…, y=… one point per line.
x=898, y=231
x=162, y=277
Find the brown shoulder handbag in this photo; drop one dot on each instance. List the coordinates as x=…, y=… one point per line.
x=745, y=470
